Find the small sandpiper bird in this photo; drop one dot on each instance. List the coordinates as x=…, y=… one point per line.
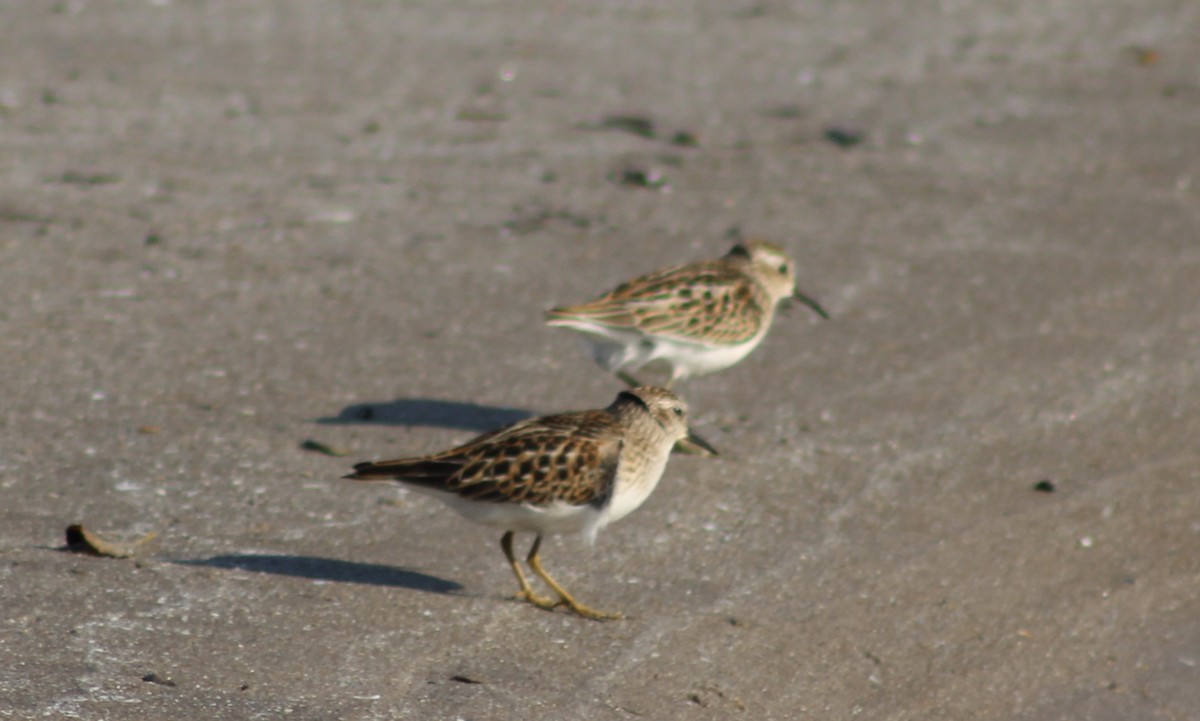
x=696, y=318
x=572, y=472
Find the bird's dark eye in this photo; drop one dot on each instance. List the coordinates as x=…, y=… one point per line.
x=783, y=269
x=677, y=411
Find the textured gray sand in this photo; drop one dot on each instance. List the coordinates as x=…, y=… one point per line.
x=230, y=225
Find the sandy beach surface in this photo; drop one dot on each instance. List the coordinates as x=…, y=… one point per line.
x=228, y=228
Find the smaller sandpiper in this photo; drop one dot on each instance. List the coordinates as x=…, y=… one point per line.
x=696, y=318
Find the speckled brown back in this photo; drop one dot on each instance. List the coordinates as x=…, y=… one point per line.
x=717, y=301
x=570, y=458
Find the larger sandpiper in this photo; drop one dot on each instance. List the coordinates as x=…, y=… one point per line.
x=572, y=472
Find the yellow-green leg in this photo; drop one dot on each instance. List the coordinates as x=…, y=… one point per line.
x=535, y=562
x=526, y=593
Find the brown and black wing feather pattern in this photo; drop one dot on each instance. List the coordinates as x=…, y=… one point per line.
x=692, y=302
x=571, y=458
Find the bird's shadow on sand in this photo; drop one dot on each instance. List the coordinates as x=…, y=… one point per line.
x=428, y=412
x=329, y=569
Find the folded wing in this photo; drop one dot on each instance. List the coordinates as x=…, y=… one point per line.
x=539, y=461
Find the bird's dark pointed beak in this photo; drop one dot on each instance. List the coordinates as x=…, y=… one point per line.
x=808, y=301
x=696, y=445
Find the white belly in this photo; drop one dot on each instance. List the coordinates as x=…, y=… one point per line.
x=697, y=359
x=554, y=518
x=629, y=494
x=615, y=350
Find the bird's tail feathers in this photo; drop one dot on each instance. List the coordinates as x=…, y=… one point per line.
x=420, y=471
